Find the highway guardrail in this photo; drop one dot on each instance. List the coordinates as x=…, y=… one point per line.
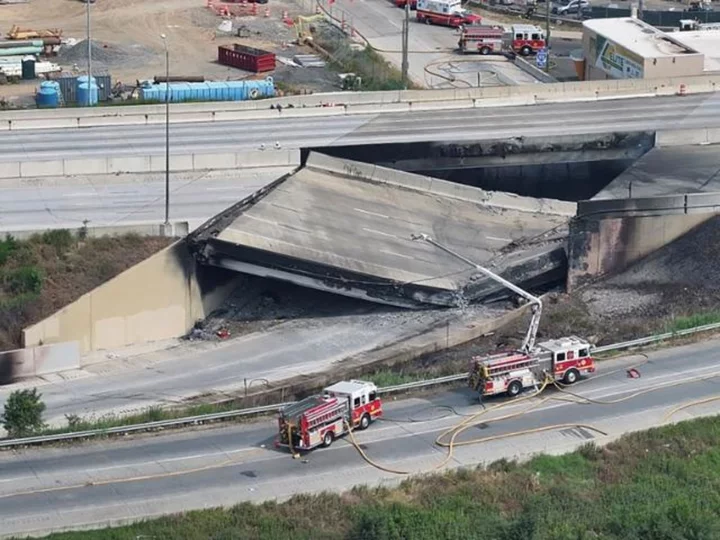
x=213, y=417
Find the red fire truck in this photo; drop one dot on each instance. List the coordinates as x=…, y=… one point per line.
x=523, y=39
x=482, y=39
x=320, y=419
x=565, y=359
x=527, y=39
x=446, y=13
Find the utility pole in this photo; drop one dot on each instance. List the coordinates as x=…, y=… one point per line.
x=547, y=35
x=405, y=44
x=89, y=52
x=167, y=134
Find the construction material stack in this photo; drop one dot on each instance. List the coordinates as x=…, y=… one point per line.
x=318, y=420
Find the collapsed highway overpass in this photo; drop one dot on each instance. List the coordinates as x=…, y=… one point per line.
x=346, y=227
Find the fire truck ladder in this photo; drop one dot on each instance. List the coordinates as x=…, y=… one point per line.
x=529, y=341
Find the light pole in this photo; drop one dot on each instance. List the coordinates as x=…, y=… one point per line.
x=167, y=133
x=89, y=46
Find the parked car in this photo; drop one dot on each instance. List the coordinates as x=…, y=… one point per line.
x=573, y=7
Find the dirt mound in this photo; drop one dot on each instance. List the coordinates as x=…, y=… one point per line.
x=105, y=54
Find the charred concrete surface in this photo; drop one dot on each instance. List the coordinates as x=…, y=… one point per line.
x=346, y=227
x=671, y=170
x=608, y=235
x=561, y=167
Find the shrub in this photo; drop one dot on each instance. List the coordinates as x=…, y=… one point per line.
x=7, y=247
x=60, y=239
x=23, y=413
x=24, y=280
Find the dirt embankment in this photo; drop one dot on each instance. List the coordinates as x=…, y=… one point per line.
x=45, y=273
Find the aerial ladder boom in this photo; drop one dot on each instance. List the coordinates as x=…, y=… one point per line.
x=529, y=341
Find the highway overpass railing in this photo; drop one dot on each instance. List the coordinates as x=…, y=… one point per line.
x=213, y=417
x=345, y=103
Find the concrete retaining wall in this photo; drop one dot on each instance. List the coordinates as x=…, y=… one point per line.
x=178, y=229
x=159, y=298
x=610, y=235
x=154, y=163
x=340, y=103
x=374, y=173
x=35, y=361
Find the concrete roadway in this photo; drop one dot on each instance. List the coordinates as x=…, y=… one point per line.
x=444, y=125
x=104, y=482
x=108, y=200
x=134, y=379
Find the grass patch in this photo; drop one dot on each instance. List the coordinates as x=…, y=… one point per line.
x=691, y=321
x=663, y=483
x=46, y=272
x=391, y=378
x=377, y=73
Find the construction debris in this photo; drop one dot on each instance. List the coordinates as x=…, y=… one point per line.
x=309, y=60
x=27, y=33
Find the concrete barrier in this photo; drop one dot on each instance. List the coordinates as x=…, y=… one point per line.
x=155, y=163
x=177, y=229
x=344, y=102
x=37, y=361
x=160, y=298
x=682, y=137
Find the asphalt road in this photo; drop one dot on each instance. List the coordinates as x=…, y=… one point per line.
x=103, y=200
x=132, y=380
x=103, y=482
x=446, y=125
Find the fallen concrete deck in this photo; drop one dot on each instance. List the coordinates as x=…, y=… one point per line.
x=347, y=227
x=672, y=170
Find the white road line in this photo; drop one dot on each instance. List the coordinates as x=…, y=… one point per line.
x=371, y=213
x=379, y=232
x=397, y=254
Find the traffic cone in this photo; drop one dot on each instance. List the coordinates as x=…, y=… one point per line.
x=267, y=12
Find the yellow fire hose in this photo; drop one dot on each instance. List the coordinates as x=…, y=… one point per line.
x=473, y=421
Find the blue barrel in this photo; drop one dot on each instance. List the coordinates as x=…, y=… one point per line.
x=48, y=96
x=84, y=91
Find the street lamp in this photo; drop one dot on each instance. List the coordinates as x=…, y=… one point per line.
x=89, y=54
x=167, y=134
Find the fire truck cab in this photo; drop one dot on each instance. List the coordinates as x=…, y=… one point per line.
x=565, y=359
x=527, y=39
x=446, y=13
x=481, y=39
x=320, y=419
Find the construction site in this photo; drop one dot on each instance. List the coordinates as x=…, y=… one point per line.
x=128, y=47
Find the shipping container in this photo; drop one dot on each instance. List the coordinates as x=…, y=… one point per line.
x=209, y=91
x=247, y=58
x=68, y=85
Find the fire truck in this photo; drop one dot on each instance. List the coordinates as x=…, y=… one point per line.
x=527, y=39
x=319, y=420
x=446, y=13
x=565, y=359
x=523, y=39
x=482, y=39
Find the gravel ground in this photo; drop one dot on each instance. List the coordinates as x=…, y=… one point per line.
x=105, y=55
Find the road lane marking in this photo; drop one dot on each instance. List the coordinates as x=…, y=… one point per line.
x=371, y=213
x=499, y=239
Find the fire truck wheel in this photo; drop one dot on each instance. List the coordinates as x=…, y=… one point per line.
x=514, y=388
x=571, y=376
x=328, y=439
x=485, y=51
x=365, y=421
x=427, y=20
x=525, y=51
